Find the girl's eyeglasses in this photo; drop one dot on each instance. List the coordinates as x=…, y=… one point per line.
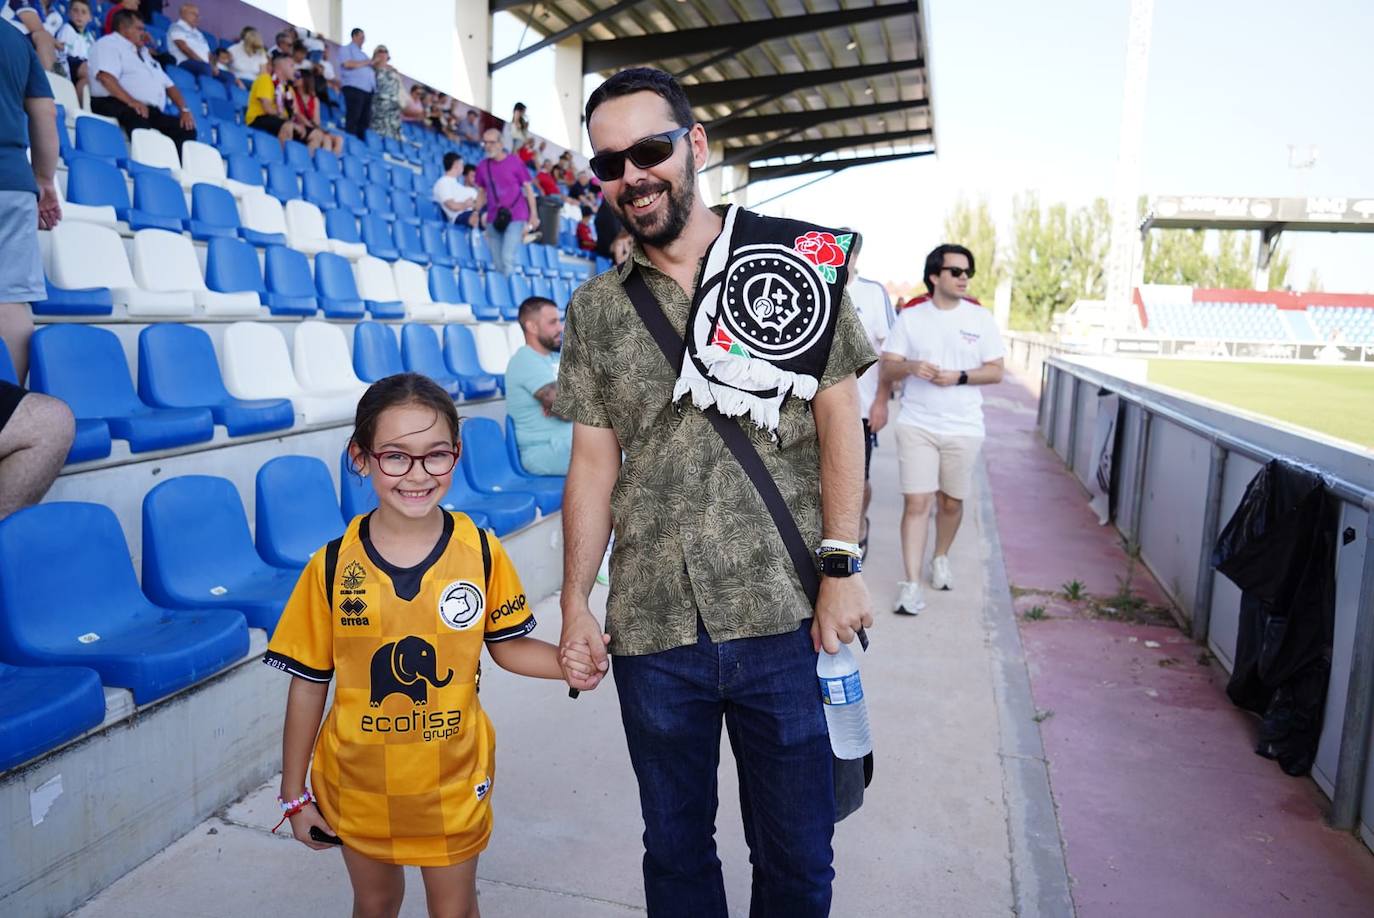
x=648, y=152
x=396, y=464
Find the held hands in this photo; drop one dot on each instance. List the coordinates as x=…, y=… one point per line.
x=842, y=608
x=302, y=822
x=582, y=650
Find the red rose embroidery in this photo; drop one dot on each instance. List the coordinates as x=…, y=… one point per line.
x=820, y=249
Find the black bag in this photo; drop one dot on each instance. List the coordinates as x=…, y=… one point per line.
x=851, y=775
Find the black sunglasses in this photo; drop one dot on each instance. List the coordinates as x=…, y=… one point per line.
x=958, y=272
x=650, y=151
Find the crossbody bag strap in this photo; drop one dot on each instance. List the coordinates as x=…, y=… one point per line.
x=736, y=440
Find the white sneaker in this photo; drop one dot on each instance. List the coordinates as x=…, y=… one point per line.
x=939, y=573
x=909, y=600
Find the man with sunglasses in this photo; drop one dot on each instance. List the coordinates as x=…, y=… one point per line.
x=706, y=616
x=938, y=351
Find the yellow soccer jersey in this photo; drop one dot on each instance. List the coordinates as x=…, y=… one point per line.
x=405, y=758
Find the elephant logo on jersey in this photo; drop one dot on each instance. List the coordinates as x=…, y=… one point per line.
x=406, y=667
x=461, y=604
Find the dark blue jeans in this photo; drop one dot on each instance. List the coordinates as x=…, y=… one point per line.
x=672, y=704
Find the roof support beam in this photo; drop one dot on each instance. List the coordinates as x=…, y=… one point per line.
x=776, y=148
x=612, y=54
x=575, y=29
x=501, y=6
x=764, y=173
x=764, y=124
x=725, y=91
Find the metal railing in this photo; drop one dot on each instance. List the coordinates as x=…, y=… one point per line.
x=1357, y=722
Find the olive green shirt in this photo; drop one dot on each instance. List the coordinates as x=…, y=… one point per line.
x=692, y=535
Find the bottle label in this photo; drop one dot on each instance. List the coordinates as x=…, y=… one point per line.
x=844, y=690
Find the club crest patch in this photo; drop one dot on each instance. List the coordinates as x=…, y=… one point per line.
x=773, y=303
x=461, y=605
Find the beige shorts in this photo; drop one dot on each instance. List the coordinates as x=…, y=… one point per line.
x=932, y=462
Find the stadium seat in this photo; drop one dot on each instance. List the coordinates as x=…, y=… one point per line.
x=290, y=288
x=305, y=228
x=435, y=246
x=42, y=707
x=562, y=294
x=7, y=373
x=375, y=352
x=213, y=213
x=152, y=150
x=318, y=190
x=378, y=239
x=298, y=157
x=296, y=510
x=420, y=352
x=245, y=176
x=492, y=351
x=378, y=201
x=264, y=223
x=403, y=206
x=412, y=288
x=475, y=295
x=114, y=630
x=266, y=148
x=86, y=256
x=515, y=337
x=354, y=167
x=356, y=495
x=102, y=139
x=232, y=271
x=326, y=163
x=337, y=291
x=506, y=512
x=488, y=467
x=201, y=162
x=407, y=236
x=460, y=359
x=177, y=368
x=460, y=246
x=166, y=263
x=231, y=140
x=198, y=552
x=342, y=229
x=499, y=295
x=349, y=196
x=64, y=95
x=283, y=182
x=103, y=214
x=443, y=290
x=97, y=183
x=319, y=353
x=377, y=287
x=481, y=251
x=513, y=450
x=520, y=290
x=542, y=286
x=159, y=203
x=256, y=365
x=85, y=367
x=183, y=79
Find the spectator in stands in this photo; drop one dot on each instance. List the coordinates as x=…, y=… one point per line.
x=504, y=196
x=544, y=180
x=544, y=437
x=517, y=129
x=414, y=106
x=269, y=103
x=35, y=430
x=938, y=351
x=130, y=86
x=191, y=49
x=130, y=5
x=563, y=171
x=28, y=19
x=305, y=113
x=527, y=154
x=359, y=82
x=283, y=42
x=871, y=302
x=586, y=234
x=74, y=39
x=470, y=175
x=454, y=198
x=470, y=128
x=387, y=100
x=249, y=55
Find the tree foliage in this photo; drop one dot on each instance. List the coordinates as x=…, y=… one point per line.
x=1058, y=257
x=970, y=224
x=1181, y=257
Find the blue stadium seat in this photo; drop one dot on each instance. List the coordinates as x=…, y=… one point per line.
x=378, y=201
x=177, y=368
x=239, y=96
x=105, y=141
x=231, y=139
x=327, y=164
x=475, y=295
x=41, y=707
x=504, y=512
x=290, y=289
x=513, y=450
x=356, y=495
x=231, y=266
x=482, y=251
x=374, y=143
x=159, y=203
x=298, y=156
x=90, y=301
x=85, y=367
x=498, y=294
x=443, y=285
x=341, y=225
x=378, y=239
x=350, y=196
x=7, y=373
x=336, y=287
x=318, y=189
x=183, y=79
x=520, y=290
x=420, y=353
x=489, y=470
x=283, y=182
x=221, y=111
x=375, y=352
x=562, y=293
x=97, y=183
x=542, y=286
x=403, y=205
x=400, y=178
x=266, y=147
x=92, y=441
x=212, y=88
x=354, y=168
x=460, y=246
x=114, y=629
x=244, y=169
x=199, y=554
x=436, y=247
x=408, y=243
x=213, y=213
x=296, y=510
x=195, y=101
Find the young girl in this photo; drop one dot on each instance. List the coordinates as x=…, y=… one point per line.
x=397, y=610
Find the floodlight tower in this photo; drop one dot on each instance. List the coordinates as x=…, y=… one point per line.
x=1124, y=257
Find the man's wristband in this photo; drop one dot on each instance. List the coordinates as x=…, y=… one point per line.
x=837, y=545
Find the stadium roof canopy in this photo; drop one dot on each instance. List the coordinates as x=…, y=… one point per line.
x=789, y=86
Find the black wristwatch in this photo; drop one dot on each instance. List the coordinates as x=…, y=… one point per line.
x=839, y=563
x=963, y=377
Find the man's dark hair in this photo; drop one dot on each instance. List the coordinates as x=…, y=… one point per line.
x=469, y=167
x=300, y=46
x=644, y=79
x=587, y=210
x=280, y=36
x=123, y=18
x=531, y=307
x=519, y=106
x=936, y=260
x=85, y=3
x=355, y=33
x=449, y=159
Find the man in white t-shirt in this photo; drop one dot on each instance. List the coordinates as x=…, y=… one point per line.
x=874, y=307
x=937, y=352
x=453, y=197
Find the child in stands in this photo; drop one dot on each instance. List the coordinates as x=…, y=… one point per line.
x=74, y=41
x=399, y=608
x=586, y=236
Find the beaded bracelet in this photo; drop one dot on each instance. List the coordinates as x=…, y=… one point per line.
x=292, y=807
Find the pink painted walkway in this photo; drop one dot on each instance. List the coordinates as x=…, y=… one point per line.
x=1163, y=807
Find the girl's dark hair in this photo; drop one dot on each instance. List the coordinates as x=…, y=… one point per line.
x=401, y=389
x=644, y=79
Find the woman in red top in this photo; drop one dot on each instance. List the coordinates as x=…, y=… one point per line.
x=305, y=111
x=544, y=179
x=586, y=236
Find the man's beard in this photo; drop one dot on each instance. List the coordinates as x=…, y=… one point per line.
x=551, y=343
x=681, y=197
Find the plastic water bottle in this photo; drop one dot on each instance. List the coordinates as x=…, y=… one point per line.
x=842, y=694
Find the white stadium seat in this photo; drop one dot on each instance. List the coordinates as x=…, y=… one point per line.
x=201, y=162
x=493, y=349
x=375, y=281
x=262, y=213
x=86, y=255
x=167, y=262
x=515, y=337
x=412, y=288
x=320, y=353
x=154, y=148
x=256, y=365
x=64, y=94
x=305, y=228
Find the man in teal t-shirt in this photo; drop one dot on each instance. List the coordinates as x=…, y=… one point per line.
x=544, y=438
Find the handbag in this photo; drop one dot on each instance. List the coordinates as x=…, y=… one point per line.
x=851, y=775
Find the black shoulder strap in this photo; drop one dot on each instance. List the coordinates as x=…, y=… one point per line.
x=331, y=564
x=486, y=557
x=736, y=440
